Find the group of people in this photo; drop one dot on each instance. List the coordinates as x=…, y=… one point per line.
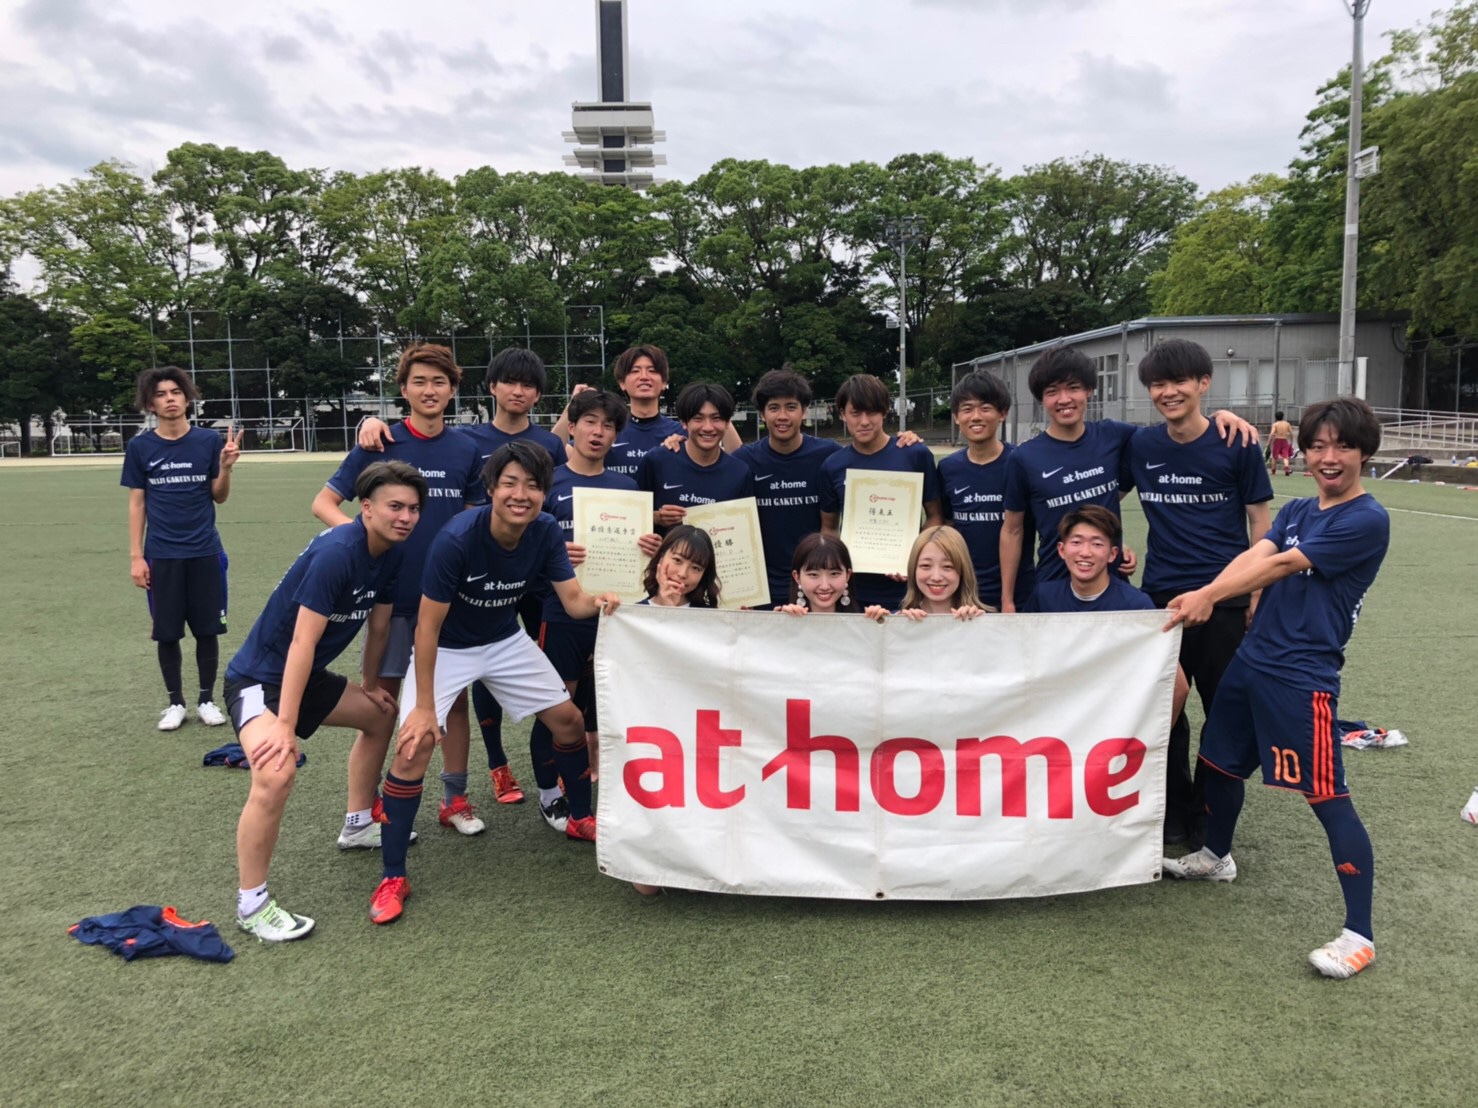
x=463, y=532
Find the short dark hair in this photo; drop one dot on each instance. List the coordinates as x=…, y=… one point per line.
x=984, y=387
x=394, y=472
x=863, y=392
x=1353, y=420
x=627, y=358
x=519, y=366
x=818, y=551
x=782, y=384
x=692, y=543
x=1096, y=516
x=151, y=379
x=1061, y=365
x=1277, y=415
x=1174, y=360
x=427, y=354
x=691, y=400
x=531, y=456
x=597, y=400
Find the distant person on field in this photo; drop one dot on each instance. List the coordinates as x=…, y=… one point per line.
x=1276, y=705
x=176, y=474
x=1280, y=446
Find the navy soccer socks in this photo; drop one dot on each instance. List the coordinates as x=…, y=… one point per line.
x=1224, y=796
x=1354, y=860
x=401, y=800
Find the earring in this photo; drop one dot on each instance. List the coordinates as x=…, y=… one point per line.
x=846, y=600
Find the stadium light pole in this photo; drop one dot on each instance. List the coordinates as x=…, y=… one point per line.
x=1355, y=168
x=905, y=232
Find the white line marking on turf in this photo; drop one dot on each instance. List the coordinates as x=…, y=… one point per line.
x=1387, y=507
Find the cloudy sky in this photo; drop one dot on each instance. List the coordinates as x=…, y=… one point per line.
x=1215, y=88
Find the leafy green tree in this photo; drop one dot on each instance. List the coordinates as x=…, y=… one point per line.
x=1219, y=263
x=39, y=373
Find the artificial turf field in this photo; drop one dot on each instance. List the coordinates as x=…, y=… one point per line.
x=520, y=975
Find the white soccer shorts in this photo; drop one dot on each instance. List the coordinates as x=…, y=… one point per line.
x=513, y=669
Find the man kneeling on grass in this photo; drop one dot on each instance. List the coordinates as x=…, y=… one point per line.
x=279, y=688
x=467, y=630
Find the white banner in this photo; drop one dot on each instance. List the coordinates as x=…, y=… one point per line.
x=752, y=752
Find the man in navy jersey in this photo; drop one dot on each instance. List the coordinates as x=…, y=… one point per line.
x=1205, y=505
x=787, y=473
x=1074, y=462
x=516, y=380
x=428, y=376
x=642, y=374
x=279, y=688
x=596, y=419
x=1277, y=702
x=699, y=472
x=176, y=475
x=863, y=403
x=1088, y=541
x=480, y=564
x=972, y=484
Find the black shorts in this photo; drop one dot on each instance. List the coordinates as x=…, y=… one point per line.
x=570, y=645
x=247, y=698
x=187, y=590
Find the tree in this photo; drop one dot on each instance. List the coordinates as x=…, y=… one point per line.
x=1219, y=263
x=1098, y=225
x=38, y=371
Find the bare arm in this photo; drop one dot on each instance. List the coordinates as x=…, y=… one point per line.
x=933, y=513
x=831, y=523
x=1250, y=571
x=326, y=508
x=421, y=724
x=220, y=488
x=1013, y=524
x=376, y=637
x=1259, y=521
x=561, y=428
x=732, y=440
x=579, y=604
x=280, y=740
x=138, y=569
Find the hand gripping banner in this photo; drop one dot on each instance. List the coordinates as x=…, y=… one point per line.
x=753, y=752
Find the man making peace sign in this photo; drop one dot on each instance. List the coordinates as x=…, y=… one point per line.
x=176, y=474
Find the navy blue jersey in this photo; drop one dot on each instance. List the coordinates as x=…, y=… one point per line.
x=1049, y=478
x=1302, y=623
x=482, y=580
x=875, y=588
x=638, y=439
x=333, y=576
x=672, y=477
x=176, y=475
x=1195, y=497
x=488, y=438
x=452, y=469
x=1056, y=595
x=788, y=492
x=974, y=498
x=560, y=503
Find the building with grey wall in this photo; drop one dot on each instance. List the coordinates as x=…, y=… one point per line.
x=1260, y=364
x=614, y=134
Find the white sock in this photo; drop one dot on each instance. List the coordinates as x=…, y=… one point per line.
x=549, y=796
x=355, y=820
x=250, y=901
x=1354, y=940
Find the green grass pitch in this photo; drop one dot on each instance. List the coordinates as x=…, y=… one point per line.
x=521, y=976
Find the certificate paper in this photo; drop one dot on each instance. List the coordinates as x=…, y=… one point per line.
x=607, y=524
x=880, y=518
x=734, y=527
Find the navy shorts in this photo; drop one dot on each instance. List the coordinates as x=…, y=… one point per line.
x=1258, y=720
x=247, y=698
x=570, y=646
x=187, y=590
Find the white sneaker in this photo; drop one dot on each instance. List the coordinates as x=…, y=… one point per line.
x=363, y=838
x=209, y=714
x=272, y=924
x=1470, y=809
x=1200, y=866
x=172, y=718
x=557, y=814
x=1344, y=957
x=461, y=815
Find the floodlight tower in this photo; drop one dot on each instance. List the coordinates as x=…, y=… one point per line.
x=613, y=135
x=1360, y=164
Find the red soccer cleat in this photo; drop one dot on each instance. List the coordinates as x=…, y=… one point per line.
x=389, y=900
x=505, y=788
x=581, y=830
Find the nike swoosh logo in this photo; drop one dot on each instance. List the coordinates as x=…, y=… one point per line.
x=1156, y=465
x=562, y=499
x=665, y=485
x=479, y=577
x=1050, y=472
x=155, y=462
x=766, y=477
x=958, y=491
x=616, y=444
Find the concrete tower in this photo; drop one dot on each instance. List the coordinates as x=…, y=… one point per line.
x=613, y=134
